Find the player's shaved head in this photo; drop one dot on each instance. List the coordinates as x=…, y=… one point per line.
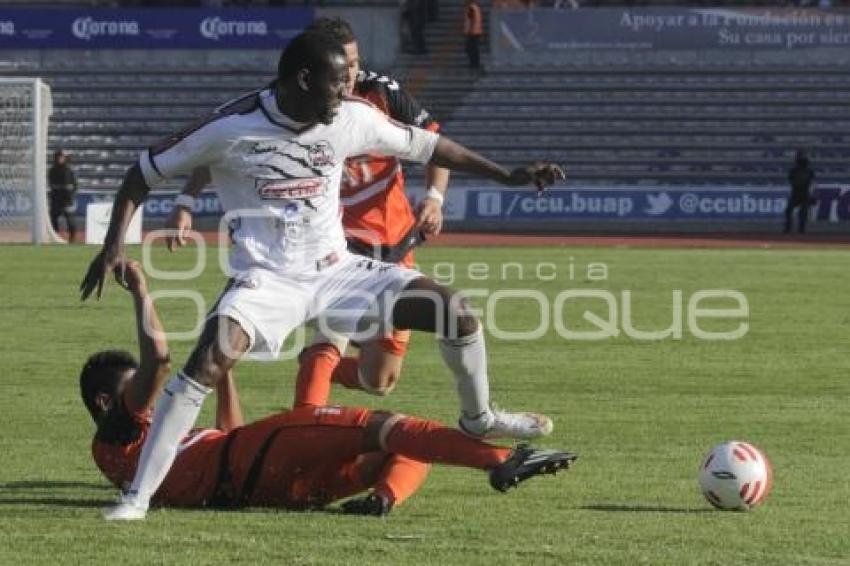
x=309, y=50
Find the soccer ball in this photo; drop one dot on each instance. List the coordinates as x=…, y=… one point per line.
x=735, y=475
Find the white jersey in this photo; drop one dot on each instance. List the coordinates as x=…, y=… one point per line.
x=278, y=180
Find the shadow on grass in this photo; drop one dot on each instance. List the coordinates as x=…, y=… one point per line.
x=16, y=485
x=56, y=502
x=623, y=508
x=27, y=493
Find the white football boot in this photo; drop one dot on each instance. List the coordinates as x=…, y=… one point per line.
x=502, y=424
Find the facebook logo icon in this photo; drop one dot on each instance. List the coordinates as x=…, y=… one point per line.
x=490, y=204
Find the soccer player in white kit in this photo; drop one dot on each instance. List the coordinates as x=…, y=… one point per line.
x=276, y=157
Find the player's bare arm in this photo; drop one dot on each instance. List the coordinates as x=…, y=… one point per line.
x=452, y=155
x=154, y=363
x=133, y=192
x=179, y=222
x=228, y=413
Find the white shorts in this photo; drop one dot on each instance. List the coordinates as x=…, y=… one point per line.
x=353, y=296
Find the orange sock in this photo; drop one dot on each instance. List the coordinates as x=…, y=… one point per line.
x=347, y=373
x=429, y=441
x=400, y=478
x=313, y=384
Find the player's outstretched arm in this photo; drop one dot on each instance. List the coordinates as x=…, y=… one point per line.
x=154, y=365
x=452, y=155
x=374, y=133
x=132, y=193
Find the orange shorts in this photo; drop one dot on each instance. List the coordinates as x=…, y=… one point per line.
x=303, y=458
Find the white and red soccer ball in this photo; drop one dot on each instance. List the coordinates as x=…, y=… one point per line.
x=735, y=475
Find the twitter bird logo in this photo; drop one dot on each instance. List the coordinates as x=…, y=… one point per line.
x=658, y=204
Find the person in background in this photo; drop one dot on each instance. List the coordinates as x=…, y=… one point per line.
x=800, y=177
x=63, y=189
x=473, y=29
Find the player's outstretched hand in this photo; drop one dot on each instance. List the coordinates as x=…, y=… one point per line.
x=179, y=223
x=129, y=274
x=541, y=174
x=103, y=263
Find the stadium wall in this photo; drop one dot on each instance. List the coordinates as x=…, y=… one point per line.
x=674, y=209
x=699, y=37
x=482, y=207
x=65, y=43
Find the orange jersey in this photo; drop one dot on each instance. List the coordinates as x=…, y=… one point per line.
x=301, y=458
x=375, y=207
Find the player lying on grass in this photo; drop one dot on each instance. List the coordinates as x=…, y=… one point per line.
x=300, y=459
x=276, y=158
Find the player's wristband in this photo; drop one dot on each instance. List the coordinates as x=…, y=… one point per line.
x=186, y=201
x=434, y=193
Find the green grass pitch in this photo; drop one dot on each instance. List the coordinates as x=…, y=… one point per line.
x=641, y=414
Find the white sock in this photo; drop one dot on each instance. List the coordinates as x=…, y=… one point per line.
x=467, y=358
x=174, y=415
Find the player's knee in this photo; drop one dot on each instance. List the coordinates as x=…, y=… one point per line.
x=381, y=383
x=462, y=321
x=378, y=370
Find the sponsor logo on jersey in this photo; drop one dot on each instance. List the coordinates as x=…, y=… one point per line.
x=215, y=28
x=7, y=28
x=87, y=28
x=289, y=159
x=319, y=411
x=285, y=189
x=321, y=154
